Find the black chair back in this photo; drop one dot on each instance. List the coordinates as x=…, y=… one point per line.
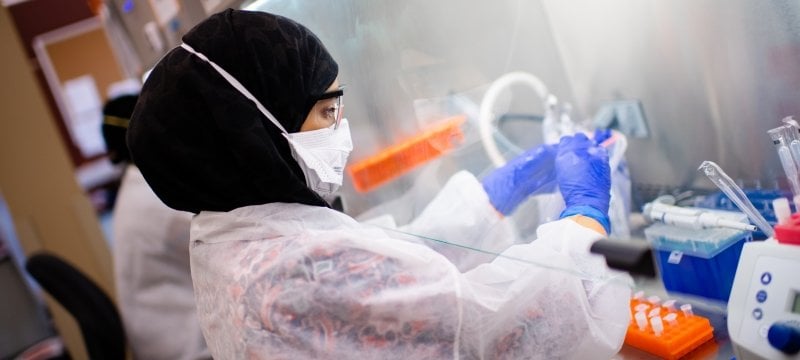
x=95, y=313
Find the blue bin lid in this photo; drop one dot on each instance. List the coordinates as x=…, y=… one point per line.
x=704, y=243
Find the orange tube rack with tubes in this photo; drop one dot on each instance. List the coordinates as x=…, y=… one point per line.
x=402, y=157
x=677, y=340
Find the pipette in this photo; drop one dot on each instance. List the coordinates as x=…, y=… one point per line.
x=780, y=139
x=793, y=138
x=691, y=218
x=735, y=193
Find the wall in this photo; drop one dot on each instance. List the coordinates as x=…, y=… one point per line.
x=713, y=77
x=49, y=209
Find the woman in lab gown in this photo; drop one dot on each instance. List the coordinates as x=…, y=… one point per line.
x=229, y=128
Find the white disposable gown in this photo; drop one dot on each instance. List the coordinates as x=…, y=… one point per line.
x=291, y=281
x=152, y=276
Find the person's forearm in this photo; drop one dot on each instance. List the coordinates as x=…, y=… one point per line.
x=589, y=223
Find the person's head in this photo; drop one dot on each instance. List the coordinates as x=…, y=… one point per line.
x=203, y=145
x=116, y=117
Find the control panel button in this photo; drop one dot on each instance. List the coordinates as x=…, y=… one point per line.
x=785, y=337
x=758, y=314
x=761, y=296
x=766, y=278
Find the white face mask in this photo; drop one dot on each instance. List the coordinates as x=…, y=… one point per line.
x=321, y=154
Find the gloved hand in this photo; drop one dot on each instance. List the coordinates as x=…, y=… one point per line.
x=527, y=174
x=601, y=135
x=584, y=178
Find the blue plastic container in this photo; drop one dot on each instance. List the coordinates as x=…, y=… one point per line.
x=698, y=262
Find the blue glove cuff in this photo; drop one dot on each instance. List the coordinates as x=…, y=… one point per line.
x=588, y=211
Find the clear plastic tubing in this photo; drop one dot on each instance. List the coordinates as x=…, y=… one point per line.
x=735, y=193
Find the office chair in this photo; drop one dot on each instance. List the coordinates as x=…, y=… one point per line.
x=97, y=317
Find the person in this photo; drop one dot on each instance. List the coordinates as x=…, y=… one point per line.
x=150, y=252
x=243, y=125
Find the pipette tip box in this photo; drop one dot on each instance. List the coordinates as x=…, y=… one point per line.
x=678, y=338
x=700, y=262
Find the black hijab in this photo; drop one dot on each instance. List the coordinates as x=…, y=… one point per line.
x=200, y=144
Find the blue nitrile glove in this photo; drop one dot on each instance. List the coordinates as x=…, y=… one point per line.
x=601, y=135
x=584, y=178
x=527, y=174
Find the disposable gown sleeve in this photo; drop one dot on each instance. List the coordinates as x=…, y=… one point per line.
x=349, y=291
x=461, y=224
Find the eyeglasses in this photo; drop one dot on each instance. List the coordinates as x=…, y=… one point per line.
x=333, y=107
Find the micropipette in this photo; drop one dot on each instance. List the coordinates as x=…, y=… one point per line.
x=691, y=218
x=735, y=193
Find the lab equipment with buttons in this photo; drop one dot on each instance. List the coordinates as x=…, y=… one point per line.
x=764, y=307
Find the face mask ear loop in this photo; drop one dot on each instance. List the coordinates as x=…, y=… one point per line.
x=238, y=86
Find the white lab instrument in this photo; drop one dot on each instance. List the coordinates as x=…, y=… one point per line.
x=764, y=307
x=735, y=193
x=693, y=218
